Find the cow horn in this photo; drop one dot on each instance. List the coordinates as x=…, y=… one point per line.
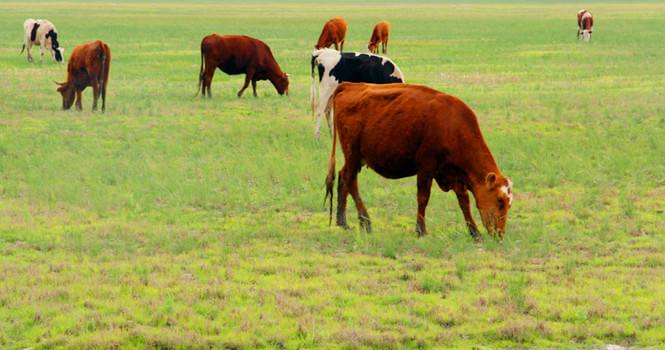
x=61, y=84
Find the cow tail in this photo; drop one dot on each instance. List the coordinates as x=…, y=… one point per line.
x=330, y=178
x=312, y=94
x=198, y=89
x=22, y=49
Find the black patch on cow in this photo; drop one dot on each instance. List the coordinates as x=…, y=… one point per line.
x=33, y=32
x=54, y=39
x=58, y=55
x=363, y=68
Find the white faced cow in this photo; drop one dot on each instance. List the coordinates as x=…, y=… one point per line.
x=584, y=24
x=43, y=33
x=335, y=67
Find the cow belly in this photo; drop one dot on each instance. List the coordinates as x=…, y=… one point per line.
x=388, y=158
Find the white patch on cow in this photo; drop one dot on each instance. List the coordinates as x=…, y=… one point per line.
x=586, y=35
x=328, y=58
x=508, y=191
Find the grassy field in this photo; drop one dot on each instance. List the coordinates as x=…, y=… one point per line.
x=172, y=222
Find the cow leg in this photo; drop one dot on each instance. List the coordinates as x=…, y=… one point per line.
x=29, y=48
x=254, y=87
x=95, y=93
x=341, y=46
x=363, y=215
x=103, y=88
x=342, y=193
x=463, y=201
x=384, y=46
x=424, y=187
x=207, y=78
x=336, y=46
x=325, y=93
x=248, y=77
x=79, y=105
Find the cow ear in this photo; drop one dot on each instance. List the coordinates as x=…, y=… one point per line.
x=490, y=180
x=61, y=84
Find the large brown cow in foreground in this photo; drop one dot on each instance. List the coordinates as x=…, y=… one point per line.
x=239, y=54
x=88, y=65
x=333, y=32
x=584, y=24
x=401, y=130
x=379, y=35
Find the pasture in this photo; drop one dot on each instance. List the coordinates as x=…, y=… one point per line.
x=176, y=222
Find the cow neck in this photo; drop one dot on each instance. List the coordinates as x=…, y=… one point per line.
x=478, y=161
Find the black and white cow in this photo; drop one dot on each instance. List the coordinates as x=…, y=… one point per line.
x=43, y=33
x=335, y=67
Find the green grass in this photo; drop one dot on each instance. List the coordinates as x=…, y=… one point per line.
x=173, y=222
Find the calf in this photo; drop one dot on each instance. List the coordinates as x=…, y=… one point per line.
x=335, y=67
x=239, y=54
x=379, y=35
x=401, y=130
x=41, y=32
x=334, y=32
x=584, y=24
x=89, y=65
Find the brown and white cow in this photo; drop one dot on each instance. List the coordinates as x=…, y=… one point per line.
x=239, y=54
x=401, y=130
x=379, y=35
x=333, y=32
x=43, y=33
x=89, y=65
x=584, y=24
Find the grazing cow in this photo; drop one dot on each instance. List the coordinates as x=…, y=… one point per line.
x=239, y=54
x=42, y=32
x=379, y=35
x=401, y=130
x=584, y=24
x=89, y=65
x=335, y=67
x=334, y=32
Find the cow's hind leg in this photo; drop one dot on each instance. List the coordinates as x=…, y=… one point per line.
x=95, y=93
x=254, y=87
x=207, y=78
x=363, y=215
x=424, y=188
x=342, y=193
x=28, y=48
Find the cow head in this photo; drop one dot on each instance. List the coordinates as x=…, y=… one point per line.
x=281, y=83
x=68, y=92
x=58, y=54
x=373, y=47
x=586, y=34
x=493, y=198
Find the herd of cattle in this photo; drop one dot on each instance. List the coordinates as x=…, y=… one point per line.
x=396, y=129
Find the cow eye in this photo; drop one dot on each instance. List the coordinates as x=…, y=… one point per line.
x=501, y=204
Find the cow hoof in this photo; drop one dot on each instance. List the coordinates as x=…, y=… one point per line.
x=421, y=231
x=365, y=224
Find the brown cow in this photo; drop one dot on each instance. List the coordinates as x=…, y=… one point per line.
x=401, y=130
x=379, y=35
x=334, y=32
x=584, y=24
x=239, y=54
x=89, y=65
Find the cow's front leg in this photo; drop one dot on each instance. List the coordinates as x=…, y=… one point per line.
x=463, y=201
x=79, y=105
x=248, y=77
x=254, y=87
